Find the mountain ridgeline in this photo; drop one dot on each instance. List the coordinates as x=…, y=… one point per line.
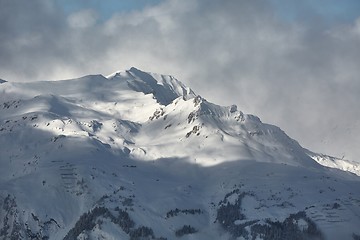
x=138, y=155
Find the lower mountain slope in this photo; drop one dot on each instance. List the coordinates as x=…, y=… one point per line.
x=140, y=156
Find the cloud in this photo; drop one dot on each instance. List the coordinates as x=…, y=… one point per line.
x=83, y=19
x=302, y=76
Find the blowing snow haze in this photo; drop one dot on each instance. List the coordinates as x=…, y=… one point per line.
x=139, y=155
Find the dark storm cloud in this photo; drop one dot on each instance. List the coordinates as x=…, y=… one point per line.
x=300, y=75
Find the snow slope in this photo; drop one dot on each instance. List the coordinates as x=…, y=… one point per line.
x=333, y=162
x=138, y=155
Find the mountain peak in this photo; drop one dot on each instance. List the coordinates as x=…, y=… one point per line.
x=134, y=69
x=139, y=155
x=165, y=88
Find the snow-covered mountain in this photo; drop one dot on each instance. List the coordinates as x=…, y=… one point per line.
x=138, y=155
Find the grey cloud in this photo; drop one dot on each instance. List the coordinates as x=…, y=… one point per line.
x=27, y=31
x=301, y=76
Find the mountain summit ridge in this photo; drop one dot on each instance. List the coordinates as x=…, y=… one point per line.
x=138, y=155
x=165, y=88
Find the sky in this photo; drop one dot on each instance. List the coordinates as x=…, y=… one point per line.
x=295, y=64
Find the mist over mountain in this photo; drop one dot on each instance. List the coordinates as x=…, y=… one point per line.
x=138, y=155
